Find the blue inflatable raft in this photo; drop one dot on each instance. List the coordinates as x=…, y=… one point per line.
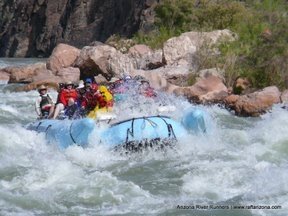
x=129, y=134
x=65, y=132
x=143, y=131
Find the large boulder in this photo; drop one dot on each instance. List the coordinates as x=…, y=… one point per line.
x=145, y=58
x=179, y=50
x=62, y=56
x=23, y=74
x=182, y=50
x=254, y=104
x=104, y=60
x=210, y=89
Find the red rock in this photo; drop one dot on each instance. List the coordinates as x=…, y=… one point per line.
x=23, y=73
x=257, y=103
x=62, y=56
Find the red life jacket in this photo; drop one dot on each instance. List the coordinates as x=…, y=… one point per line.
x=93, y=99
x=65, y=94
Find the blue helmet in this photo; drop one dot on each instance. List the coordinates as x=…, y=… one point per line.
x=88, y=80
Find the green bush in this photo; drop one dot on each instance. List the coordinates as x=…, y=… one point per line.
x=268, y=57
x=154, y=39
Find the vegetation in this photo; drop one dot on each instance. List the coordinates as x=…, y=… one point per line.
x=261, y=53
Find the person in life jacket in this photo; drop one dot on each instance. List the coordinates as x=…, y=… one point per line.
x=146, y=90
x=108, y=98
x=92, y=97
x=67, y=98
x=44, y=104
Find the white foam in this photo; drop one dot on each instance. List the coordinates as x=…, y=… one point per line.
x=9, y=109
x=237, y=157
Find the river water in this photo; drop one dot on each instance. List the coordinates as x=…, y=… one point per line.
x=239, y=166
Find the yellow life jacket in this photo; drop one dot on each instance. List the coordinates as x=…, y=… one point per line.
x=108, y=98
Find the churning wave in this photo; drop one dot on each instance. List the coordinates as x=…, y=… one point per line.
x=239, y=162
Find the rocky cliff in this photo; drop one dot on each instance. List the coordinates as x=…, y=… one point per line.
x=32, y=28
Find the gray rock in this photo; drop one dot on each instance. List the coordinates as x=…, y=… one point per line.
x=182, y=50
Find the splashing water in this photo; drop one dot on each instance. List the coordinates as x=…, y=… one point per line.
x=239, y=162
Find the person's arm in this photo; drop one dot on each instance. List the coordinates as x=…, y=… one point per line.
x=37, y=106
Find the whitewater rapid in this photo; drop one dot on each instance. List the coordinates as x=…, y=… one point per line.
x=239, y=162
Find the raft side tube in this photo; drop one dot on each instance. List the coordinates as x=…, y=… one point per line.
x=143, y=128
x=64, y=132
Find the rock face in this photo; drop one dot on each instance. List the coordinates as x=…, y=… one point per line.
x=32, y=28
